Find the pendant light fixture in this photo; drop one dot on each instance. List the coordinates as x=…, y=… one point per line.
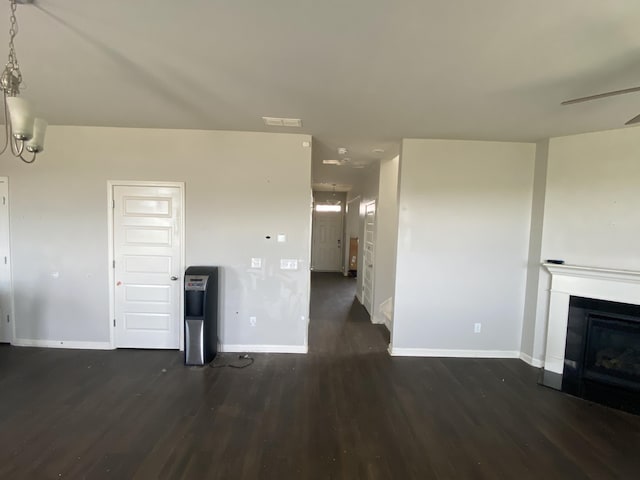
x=23, y=132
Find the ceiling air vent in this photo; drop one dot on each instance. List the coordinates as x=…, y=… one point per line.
x=282, y=122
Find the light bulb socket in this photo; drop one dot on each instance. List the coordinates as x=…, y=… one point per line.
x=36, y=144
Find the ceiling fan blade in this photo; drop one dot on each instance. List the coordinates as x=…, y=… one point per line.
x=635, y=119
x=601, y=95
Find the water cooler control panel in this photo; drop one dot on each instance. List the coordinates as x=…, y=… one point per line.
x=196, y=282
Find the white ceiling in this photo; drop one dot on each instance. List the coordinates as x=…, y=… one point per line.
x=330, y=187
x=360, y=73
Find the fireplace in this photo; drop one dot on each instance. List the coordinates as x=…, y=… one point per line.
x=593, y=334
x=602, y=354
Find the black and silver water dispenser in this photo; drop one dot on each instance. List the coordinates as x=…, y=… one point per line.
x=200, y=315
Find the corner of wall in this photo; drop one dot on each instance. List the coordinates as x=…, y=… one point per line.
x=531, y=314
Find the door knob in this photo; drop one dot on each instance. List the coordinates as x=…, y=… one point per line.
x=174, y=278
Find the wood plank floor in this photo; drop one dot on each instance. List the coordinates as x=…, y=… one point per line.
x=344, y=411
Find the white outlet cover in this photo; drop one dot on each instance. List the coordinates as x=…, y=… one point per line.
x=256, y=263
x=252, y=321
x=282, y=237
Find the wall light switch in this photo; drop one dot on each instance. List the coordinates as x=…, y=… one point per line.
x=477, y=327
x=256, y=263
x=288, y=264
x=252, y=321
x=282, y=237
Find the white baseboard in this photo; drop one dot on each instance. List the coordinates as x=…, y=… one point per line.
x=264, y=348
x=387, y=323
x=432, y=352
x=382, y=320
x=24, y=342
x=534, y=362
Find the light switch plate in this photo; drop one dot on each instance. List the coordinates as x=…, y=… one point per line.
x=256, y=263
x=282, y=237
x=288, y=264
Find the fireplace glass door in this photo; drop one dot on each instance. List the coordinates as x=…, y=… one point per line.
x=612, y=353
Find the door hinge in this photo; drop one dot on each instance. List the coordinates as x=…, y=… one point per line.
x=8, y=321
x=5, y=260
x=114, y=264
x=114, y=322
x=113, y=204
x=4, y=200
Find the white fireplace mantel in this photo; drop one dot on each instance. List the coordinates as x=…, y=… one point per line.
x=580, y=281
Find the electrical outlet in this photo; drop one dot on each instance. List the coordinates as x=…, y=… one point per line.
x=252, y=321
x=477, y=327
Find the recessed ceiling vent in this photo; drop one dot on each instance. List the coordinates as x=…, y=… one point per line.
x=282, y=122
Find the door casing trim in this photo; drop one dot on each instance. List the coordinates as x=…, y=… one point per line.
x=111, y=249
x=12, y=309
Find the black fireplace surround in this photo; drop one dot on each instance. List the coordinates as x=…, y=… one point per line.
x=602, y=356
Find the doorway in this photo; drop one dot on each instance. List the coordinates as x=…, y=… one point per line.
x=326, y=252
x=327, y=231
x=368, y=260
x=147, y=247
x=6, y=334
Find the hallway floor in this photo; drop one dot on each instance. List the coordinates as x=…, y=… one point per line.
x=347, y=410
x=339, y=324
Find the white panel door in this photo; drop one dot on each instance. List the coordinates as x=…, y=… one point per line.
x=368, y=256
x=326, y=254
x=5, y=263
x=147, y=223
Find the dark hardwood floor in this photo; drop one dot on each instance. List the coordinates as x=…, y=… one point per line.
x=344, y=411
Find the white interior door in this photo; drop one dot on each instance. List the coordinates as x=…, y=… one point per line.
x=5, y=263
x=147, y=234
x=368, y=256
x=326, y=253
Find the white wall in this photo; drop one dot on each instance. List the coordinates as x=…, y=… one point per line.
x=592, y=208
x=240, y=187
x=591, y=214
x=386, y=241
x=463, y=238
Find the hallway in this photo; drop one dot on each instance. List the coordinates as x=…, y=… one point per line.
x=339, y=324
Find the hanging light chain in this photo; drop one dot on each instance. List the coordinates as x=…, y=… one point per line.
x=12, y=64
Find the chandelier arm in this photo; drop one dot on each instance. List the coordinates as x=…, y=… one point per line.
x=7, y=133
x=17, y=146
x=31, y=160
